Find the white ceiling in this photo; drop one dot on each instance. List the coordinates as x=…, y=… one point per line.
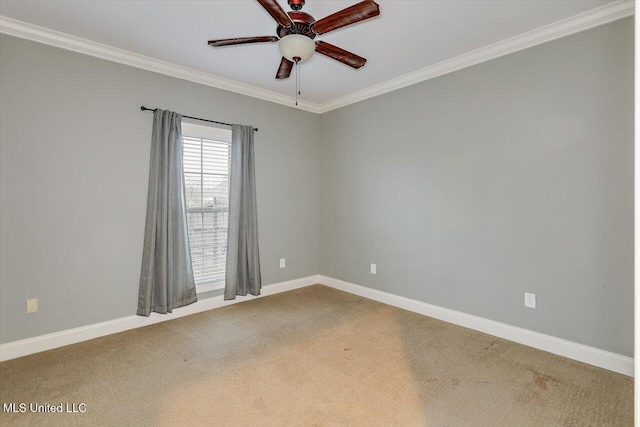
x=407, y=36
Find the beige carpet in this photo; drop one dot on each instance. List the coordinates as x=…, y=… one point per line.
x=312, y=357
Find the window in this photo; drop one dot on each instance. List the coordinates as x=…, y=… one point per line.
x=207, y=153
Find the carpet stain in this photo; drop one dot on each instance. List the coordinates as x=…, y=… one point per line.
x=542, y=380
x=491, y=345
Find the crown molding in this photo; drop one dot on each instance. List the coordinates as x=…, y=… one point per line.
x=43, y=35
x=581, y=22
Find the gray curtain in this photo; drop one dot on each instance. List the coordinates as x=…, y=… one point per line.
x=243, y=258
x=166, y=280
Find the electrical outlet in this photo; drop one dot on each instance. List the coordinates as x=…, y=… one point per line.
x=529, y=300
x=32, y=305
x=282, y=263
x=373, y=269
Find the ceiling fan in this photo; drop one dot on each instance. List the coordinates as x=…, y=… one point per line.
x=297, y=29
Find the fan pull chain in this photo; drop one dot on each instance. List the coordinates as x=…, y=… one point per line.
x=298, y=92
x=299, y=82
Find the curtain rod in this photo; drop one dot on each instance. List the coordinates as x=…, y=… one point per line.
x=143, y=108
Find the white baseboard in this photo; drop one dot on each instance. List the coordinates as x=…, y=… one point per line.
x=71, y=336
x=593, y=356
x=582, y=353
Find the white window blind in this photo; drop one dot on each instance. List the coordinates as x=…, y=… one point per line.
x=206, y=174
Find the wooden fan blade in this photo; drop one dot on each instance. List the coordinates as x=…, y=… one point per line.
x=346, y=57
x=276, y=12
x=356, y=13
x=242, y=40
x=284, y=71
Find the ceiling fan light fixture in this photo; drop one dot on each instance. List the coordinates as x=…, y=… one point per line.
x=296, y=31
x=297, y=46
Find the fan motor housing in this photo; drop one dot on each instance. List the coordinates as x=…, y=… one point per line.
x=301, y=24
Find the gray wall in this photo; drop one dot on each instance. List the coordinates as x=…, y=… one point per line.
x=510, y=176
x=73, y=182
x=467, y=190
